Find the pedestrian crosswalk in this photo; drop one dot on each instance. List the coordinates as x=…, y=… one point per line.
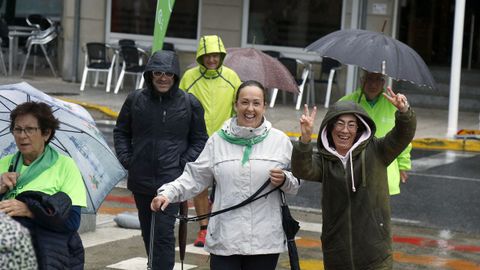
x=107, y=231
x=139, y=263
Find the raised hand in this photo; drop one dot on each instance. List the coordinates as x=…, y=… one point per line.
x=398, y=100
x=306, y=123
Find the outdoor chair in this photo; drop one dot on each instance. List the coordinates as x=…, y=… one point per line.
x=328, y=68
x=39, y=21
x=167, y=46
x=97, y=60
x=293, y=66
x=42, y=39
x=2, y=59
x=133, y=64
x=126, y=42
x=274, y=54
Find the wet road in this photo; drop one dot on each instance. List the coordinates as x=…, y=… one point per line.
x=436, y=220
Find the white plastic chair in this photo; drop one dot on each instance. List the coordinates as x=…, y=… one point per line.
x=132, y=63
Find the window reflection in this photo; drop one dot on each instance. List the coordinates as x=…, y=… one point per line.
x=292, y=23
x=137, y=17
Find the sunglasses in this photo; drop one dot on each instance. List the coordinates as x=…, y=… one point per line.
x=161, y=73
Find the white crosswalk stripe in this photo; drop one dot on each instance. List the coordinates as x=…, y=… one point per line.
x=139, y=263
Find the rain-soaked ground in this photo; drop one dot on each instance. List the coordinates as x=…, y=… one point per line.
x=436, y=220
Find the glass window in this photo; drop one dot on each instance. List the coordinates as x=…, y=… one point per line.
x=292, y=23
x=137, y=17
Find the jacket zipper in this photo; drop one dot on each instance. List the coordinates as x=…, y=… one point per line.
x=164, y=115
x=349, y=213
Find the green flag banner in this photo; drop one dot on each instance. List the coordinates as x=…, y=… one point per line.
x=164, y=9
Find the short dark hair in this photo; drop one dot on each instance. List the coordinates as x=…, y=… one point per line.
x=252, y=83
x=42, y=112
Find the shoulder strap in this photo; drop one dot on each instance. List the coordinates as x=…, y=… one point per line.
x=136, y=95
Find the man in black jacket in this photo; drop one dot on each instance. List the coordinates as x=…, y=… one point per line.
x=160, y=128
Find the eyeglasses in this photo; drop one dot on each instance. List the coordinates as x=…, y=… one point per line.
x=161, y=73
x=28, y=130
x=351, y=126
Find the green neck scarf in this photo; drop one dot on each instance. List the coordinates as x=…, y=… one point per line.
x=248, y=143
x=38, y=166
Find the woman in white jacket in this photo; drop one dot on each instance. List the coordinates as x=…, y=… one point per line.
x=244, y=154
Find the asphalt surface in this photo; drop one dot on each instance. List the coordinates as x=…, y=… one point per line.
x=436, y=219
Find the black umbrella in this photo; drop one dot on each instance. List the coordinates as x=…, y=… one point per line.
x=182, y=231
x=375, y=52
x=290, y=227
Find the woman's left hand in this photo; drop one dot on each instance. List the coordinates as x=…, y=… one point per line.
x=398, y=100
x=277, y=177
x=15, y=208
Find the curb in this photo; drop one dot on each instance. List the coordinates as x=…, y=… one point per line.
x=468, y=145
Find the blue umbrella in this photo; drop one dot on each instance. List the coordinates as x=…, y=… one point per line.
x=77, y=137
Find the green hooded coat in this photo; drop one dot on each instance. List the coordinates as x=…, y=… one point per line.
x=356, y=232
x=214, y=88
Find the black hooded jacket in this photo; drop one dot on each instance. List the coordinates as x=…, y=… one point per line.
x=157, y=134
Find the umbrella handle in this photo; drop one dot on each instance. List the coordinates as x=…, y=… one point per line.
x=150, y=244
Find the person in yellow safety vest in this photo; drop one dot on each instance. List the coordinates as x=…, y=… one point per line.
x=370, y=97
x=215, y=86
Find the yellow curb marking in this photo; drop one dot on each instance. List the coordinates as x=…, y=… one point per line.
x=426, y=143
x=306, y=264
x=446, y=144
x=100, y=108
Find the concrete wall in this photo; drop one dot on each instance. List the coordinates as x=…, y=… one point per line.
x=92, y=28
x=223, y=18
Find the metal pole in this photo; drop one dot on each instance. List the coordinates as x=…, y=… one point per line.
x=76, y=39
x=470, y=47
x=351, y=70
x=456, y=69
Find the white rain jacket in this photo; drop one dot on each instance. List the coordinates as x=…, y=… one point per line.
x=252, y=229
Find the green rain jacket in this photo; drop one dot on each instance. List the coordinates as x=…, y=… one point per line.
x=356, y=232
x=215, y=89
x=383, y=114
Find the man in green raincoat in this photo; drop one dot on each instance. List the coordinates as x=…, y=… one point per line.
x=214, y=85
x=370, y=97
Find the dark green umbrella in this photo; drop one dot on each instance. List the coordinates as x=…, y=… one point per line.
x=291, y=228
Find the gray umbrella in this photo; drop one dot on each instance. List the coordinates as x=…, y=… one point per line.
x=375, y=52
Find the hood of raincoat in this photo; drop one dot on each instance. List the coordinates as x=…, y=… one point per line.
x=210, y=44
x=340, y=108
x=164, y=61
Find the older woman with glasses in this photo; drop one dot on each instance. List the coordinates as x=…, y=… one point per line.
x=43, y=189
x=352, y=165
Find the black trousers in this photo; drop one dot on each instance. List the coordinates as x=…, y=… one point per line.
x=244, y=262
x=164, y=238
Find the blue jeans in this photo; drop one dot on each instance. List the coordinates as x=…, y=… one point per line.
x=164, y=238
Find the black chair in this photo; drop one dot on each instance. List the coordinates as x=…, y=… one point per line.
x=167, y=46
x=39, y=21
x=97, y=59
x=126, y=42
x=133, y=64
x=328, y=68
x=274, y=54
x=293, y=65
